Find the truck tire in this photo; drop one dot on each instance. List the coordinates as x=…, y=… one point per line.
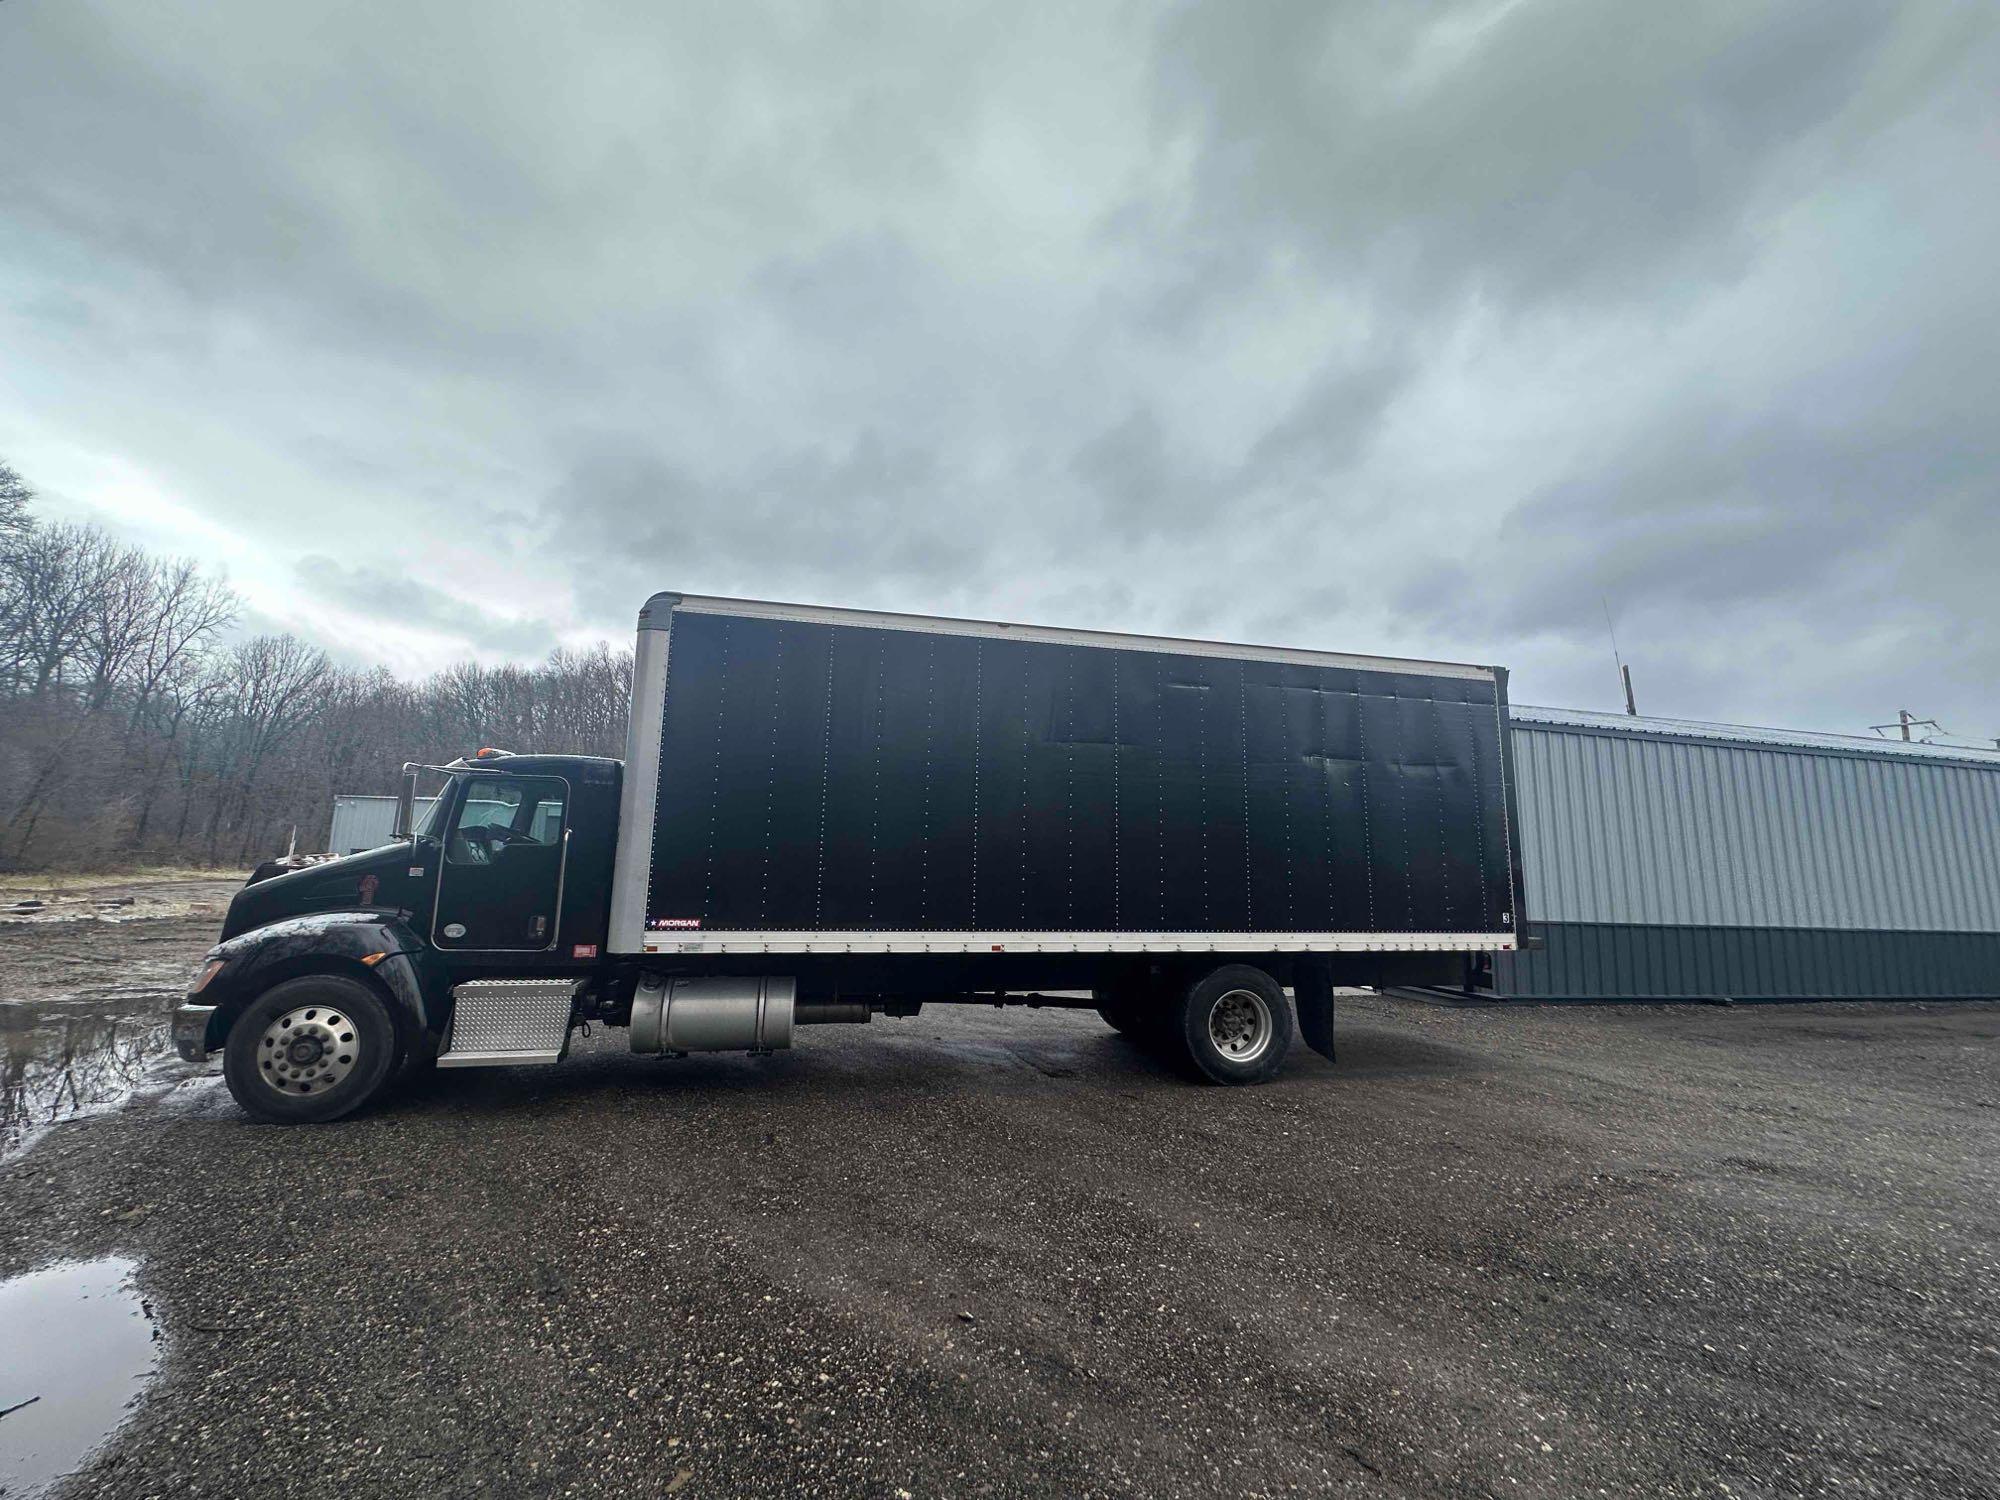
x=1236, y=1025
x=309, y=1050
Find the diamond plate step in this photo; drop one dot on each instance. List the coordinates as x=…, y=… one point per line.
x=508, y=1022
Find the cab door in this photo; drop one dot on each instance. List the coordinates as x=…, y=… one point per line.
x=500, y=886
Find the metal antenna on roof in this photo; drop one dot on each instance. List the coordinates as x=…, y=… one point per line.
x=1624, y=672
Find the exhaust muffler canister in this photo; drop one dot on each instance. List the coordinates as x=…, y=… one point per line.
x=737, y=1014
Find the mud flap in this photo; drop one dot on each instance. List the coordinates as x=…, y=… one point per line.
x=1312, y=992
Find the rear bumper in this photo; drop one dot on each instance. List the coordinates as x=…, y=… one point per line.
x=191, y=1031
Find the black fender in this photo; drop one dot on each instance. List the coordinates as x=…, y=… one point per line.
x=378, y=950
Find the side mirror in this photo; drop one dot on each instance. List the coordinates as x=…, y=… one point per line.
x=406, y=802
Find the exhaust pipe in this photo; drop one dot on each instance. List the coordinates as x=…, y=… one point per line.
x=831, y=1012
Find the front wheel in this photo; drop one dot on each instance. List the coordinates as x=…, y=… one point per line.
x=310, y=1050
x=1236, y=1025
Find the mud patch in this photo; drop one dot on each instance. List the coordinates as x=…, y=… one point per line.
x=117, y=901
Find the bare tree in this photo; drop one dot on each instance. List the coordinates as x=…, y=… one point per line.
x=132, y=728
x=15, y=496
x=59, y=574
x=187, y=611
x=182, y=694
x=120, y=617
x=276, y=681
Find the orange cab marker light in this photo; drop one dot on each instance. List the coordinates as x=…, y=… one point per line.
x=374, y=958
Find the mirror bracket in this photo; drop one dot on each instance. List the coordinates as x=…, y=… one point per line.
x=406, y=802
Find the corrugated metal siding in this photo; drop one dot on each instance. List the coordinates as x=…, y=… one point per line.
x=1632, y=828
x=366, y=822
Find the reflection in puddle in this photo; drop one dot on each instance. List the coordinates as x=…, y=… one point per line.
x=77, y=1342
x=60, y=1061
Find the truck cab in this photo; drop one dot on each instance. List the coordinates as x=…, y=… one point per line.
x=508, y=873
x=513, y=859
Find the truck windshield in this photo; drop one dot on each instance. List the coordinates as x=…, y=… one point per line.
x=432, y=809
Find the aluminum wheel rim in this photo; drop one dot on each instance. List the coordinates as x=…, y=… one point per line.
x=308, y=1051
x=1239, y=1025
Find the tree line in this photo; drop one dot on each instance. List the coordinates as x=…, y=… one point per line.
x=138, y=724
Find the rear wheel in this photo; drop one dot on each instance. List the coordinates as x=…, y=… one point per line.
x=1236, y=1025
x=309, y=1050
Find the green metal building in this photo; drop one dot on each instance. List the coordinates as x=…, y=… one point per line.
x=1668, y=859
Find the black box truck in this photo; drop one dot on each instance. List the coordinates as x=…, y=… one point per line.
x=827, y=815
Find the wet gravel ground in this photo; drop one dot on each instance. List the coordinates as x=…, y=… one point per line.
x=1555, y=1251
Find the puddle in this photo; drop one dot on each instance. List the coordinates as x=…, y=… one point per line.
x=78, y=1346
x=84, y=1019
x=64, y=1060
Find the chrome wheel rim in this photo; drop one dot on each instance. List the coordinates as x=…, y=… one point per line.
x=308, y=1050
x=1239, y=1025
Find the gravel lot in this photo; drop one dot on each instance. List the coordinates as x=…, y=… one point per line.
x=1547, y=1251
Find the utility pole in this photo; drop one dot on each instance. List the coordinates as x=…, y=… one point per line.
x=1906, y=721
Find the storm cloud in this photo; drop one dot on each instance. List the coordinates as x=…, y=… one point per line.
x=1435, y=329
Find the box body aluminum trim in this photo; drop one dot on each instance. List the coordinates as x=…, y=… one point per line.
x=1079, y=942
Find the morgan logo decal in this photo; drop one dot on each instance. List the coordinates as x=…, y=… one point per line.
x=664, y=924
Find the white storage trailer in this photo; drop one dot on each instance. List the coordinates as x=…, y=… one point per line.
x=365, y=822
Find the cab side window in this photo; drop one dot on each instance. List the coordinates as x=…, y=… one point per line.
x=500, y=811
x=545, y=827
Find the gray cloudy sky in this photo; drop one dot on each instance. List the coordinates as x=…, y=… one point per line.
x=1419, y=328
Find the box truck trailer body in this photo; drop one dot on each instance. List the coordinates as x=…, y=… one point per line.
x=825, y=815
x=814, y=780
